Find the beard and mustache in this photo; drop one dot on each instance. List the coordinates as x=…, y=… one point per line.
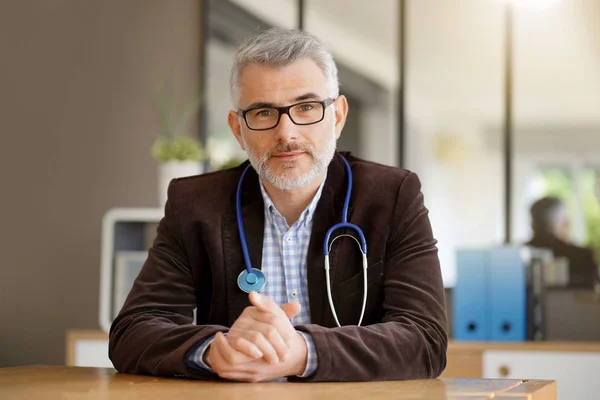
x=290, y=180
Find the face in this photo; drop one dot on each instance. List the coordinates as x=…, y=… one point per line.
x=562, y=231
x=288, y=156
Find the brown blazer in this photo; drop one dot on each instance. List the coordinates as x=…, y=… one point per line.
x=196, y=258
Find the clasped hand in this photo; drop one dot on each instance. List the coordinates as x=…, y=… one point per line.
x=262, y=344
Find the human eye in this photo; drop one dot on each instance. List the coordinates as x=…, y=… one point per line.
x=262, y=112
x=306, y=107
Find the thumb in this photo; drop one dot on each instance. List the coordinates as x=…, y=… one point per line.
x=291, y=309
x=264, y=303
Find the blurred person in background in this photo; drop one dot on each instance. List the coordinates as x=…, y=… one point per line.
x=550, y=224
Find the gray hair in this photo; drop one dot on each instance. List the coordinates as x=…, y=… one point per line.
x=279, y=48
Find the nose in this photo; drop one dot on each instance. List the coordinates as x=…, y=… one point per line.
x=286, y=129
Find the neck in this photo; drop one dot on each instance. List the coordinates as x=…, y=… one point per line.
x=291, y=203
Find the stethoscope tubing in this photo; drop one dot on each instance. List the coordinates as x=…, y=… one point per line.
x=250, y=279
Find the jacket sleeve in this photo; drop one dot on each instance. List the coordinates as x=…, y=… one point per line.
x=155, y=329
x=411, y=340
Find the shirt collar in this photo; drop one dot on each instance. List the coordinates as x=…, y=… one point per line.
x=308, y=212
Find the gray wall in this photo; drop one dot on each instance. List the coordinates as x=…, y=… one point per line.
x=76, y=126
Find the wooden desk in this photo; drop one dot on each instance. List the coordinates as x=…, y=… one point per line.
x=50, y=382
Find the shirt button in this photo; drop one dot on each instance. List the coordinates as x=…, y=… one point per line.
x=289, y=239
x=310, y=218
x=294, y=294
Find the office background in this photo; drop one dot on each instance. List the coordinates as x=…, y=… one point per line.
x=78, y=124
x=77, y=129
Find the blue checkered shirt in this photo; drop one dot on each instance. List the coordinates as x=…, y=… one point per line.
x=284, y=264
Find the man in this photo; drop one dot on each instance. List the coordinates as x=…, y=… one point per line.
x=288, y=117
x=550, y=224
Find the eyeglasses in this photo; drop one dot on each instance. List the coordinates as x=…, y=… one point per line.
x=305, y=113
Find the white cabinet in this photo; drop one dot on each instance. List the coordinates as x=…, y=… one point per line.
x=576, y=373
x=87, y=349
x=92, y=353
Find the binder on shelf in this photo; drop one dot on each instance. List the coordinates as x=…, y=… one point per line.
x=470, y=296
x=508, y=294
x=539, y=263
x=500, y=293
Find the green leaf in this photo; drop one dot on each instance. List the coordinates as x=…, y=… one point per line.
x=180, y=148
x=172, y=143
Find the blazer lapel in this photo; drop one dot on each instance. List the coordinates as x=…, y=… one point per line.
x=253, y=220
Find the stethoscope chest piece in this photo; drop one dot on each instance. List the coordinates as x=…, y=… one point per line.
x=251, y=282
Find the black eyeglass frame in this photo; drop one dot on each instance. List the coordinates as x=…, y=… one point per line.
x=286, y=110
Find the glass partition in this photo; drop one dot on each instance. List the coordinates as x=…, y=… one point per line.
x=557, y=113
x=454, y=109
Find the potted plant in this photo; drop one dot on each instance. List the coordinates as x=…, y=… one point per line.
x=177, y=154
x=223, y=152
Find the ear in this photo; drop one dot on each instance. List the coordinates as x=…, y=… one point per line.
x=341, y=111
x=234, y=124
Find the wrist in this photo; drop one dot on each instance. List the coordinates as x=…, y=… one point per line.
x=301, y=358
x=206, y=356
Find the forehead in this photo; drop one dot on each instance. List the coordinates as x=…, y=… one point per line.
x=280, y=85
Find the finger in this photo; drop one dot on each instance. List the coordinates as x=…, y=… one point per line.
x=276, y=329
x=227, y=353
x=264, y=303
x=245, y=346
x=224, y=369
x=259, y=340
x=277, y=340
x=267, y=338
x=291, y=309
x=214, y=358
x=254, y=371
x=281, y=324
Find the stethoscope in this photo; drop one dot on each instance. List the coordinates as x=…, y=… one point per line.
x=252, y=279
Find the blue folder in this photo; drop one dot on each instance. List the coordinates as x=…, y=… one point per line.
x=470, y=296
x=508, y=294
